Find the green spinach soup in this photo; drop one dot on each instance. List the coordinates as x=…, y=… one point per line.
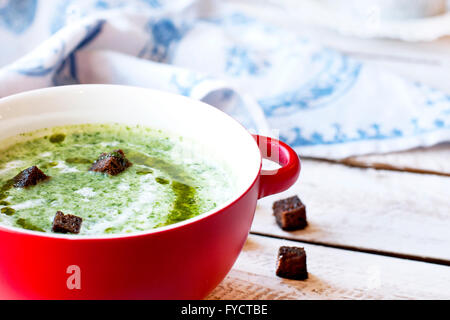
x=164, y=179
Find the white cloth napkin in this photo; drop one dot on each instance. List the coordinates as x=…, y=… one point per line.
x=320, y=101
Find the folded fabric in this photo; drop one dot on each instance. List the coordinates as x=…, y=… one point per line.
x=322, y=102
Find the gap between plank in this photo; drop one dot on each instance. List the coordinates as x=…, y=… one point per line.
x=378, y=166
x=359, y=249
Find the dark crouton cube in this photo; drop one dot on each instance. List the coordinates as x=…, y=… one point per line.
x=111, y=163
x=290, y=214
x=29, y=177
x=66, y=223
x=292, y=263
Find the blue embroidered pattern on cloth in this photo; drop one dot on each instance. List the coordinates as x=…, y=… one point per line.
x=17, y=16
x=320, y=101
x=335, y=76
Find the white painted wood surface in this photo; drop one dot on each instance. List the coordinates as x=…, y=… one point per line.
x=371, y=209
x=333, y=274
x=435, y=160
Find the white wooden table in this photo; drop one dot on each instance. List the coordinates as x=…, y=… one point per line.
x=379, y=225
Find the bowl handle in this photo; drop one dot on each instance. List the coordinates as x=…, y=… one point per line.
x=278, y=180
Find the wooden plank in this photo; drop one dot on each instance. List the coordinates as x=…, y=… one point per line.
x=371, y=210
x=333, y=274
x=434, y=160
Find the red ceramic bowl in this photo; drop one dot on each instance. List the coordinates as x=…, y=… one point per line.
x=186, y=260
